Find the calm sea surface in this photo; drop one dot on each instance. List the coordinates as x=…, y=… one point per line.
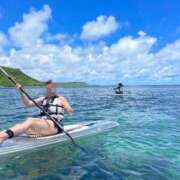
x=146, y=145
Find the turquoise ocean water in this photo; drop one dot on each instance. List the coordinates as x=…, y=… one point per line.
x=146, y=145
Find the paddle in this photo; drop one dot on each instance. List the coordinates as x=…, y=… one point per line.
x=37, y=105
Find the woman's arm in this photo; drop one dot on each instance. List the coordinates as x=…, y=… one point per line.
x=66, y=105
x=27, y=102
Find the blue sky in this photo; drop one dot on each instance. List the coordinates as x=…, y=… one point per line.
x=102, y=42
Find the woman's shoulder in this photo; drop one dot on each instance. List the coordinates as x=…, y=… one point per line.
x=62, y=98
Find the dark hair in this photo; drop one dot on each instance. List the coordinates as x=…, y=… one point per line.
x=49, y=82
x=120, y=85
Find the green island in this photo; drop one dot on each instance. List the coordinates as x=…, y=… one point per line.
x=72, y=84
x=19, y=77
x=26, y=80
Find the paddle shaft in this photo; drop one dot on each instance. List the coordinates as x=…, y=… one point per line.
x=37, y=105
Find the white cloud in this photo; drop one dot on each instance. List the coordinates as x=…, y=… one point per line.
x=169, y=61
x=60, y=38
x=29, y=31
x=141, y=33
x=103, y=26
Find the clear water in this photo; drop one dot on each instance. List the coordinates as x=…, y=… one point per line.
x=146, y=145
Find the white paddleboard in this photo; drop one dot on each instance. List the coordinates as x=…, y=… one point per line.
x=24, y=142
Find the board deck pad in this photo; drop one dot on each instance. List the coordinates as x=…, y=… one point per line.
x=24, y=142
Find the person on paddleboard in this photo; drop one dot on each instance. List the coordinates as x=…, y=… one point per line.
x=53, y=104
x=119, y=89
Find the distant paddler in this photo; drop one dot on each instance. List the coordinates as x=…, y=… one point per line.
x=119, y=89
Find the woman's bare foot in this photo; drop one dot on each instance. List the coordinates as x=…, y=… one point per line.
x=3, y=136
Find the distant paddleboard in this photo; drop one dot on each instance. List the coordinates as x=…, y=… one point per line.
x=123, y=94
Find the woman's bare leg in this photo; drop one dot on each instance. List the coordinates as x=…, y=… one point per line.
x=46, y=125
